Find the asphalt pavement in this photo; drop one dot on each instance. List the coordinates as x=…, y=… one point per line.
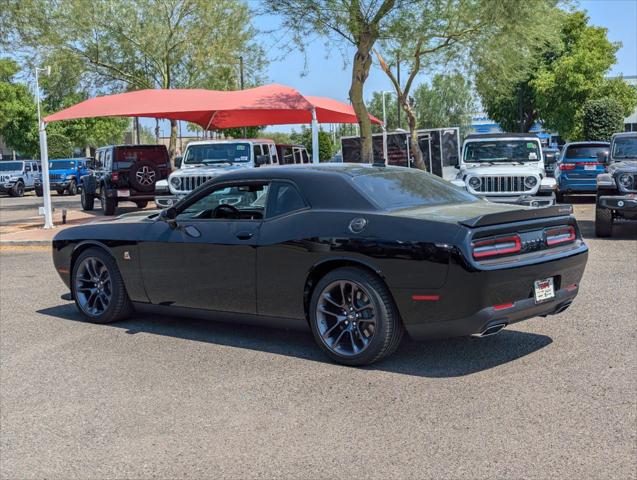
x=167, y=397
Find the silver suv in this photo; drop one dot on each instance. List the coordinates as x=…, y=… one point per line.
x=18, y=176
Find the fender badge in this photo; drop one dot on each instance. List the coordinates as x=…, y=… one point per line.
x=357, y=225
x=126, y=255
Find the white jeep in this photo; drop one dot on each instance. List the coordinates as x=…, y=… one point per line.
x=205, y=160
x=506, y=168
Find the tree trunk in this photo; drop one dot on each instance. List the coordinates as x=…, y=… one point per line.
x=172, y=145
x=360, y=71
x=414, y=148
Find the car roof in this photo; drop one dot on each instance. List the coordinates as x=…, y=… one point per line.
x=290, y=145
x=231, y=140
x=592, y=142
x=482, y=136
x=625, y=134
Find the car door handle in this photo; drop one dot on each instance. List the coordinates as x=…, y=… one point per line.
x=245, y=235
x=192, y=231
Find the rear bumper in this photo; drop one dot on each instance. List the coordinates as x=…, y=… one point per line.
x=466, y=303
x=583, y=185
x=626, y=202
x=125, y=194
x=480, y=321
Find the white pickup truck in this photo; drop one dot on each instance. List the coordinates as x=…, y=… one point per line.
x=506, y=168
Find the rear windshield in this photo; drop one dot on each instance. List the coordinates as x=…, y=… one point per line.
x=625, y=147
x=407, y=188
x=586, y=152
x=131, y=155
x=226, y=152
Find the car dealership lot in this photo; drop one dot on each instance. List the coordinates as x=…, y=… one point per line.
x=169, y=397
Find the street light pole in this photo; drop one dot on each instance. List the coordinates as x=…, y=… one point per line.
x=44, y=153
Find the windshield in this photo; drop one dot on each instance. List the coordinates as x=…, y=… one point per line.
x=624, y=148
x=584, y=152
x=217, y=153
x=10, y=166
x=392, y=189
x=502, y=151
x=62, y=164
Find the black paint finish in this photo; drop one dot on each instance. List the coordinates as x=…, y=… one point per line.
x=267, y=268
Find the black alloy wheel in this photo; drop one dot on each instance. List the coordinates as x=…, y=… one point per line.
x=98, y=288
x=353, y=317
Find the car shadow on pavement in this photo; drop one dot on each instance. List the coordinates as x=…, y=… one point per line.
x=435, y=359
x=621, y=230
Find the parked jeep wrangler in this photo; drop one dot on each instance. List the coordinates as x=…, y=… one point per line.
x=124, y=173
x=506, y=168
x=205, y=160
x=617, y=188
x=18, y=176
x=64, y=175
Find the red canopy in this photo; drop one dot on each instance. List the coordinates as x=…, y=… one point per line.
x=212, y=109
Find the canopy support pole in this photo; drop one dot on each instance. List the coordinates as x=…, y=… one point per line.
x=44, y=167
x=384, y=144
x=315, y=138
x=212, y=117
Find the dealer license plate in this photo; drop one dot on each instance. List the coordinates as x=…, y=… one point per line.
x=590, y=167
x=544, y=290
x=123, y=193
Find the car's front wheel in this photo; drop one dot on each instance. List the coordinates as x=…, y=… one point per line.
x=98, y=288
x=353, y=317
x=87, y=200
x=72, y=189
x=603, y=222
x=18, y=189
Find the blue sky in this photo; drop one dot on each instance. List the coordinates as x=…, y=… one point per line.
x=326, y=75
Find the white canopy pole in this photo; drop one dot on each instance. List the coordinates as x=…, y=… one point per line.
x=315, y=139
x=44, y=156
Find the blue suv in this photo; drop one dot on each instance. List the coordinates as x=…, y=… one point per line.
x=64, y=175
x=579, y=166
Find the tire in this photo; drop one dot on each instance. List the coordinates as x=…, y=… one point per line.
x=143, y=176
x=559, y=197
x=118, y=307
x=87, y=200
x=39, y=192
x=603, y=222
x=60, y=192
x=109, y=205
x=371, y=293
x=72, y=188
x=142, y=204
x=17, y=190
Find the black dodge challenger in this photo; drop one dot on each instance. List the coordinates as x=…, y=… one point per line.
x=358, y=254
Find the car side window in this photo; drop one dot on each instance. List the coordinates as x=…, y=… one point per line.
x=256, y=151
x=108, y=159
x=230, y=202
x=273, y=156
x=284, y=198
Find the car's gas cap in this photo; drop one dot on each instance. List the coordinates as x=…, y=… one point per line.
x=357, y=225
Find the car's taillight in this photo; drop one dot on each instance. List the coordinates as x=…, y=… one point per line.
x=559, y=235
x=567, y=166
x=493, y=247
x=115, y=176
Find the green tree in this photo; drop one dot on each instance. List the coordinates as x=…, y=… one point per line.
x=551, y=84
x=430, y=33
x=602, y=118
x=375, y=107
x=145, y=43
x=447, y=102
x=354, y=23
x=304, y=137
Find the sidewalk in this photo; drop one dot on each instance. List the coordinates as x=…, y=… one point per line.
x=31, y=232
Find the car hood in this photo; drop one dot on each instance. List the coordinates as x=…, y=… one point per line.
x=208, y=170
x=627, y=166
x=530, y=169
x=10, y=173
x=456, y=212
x=58, y=171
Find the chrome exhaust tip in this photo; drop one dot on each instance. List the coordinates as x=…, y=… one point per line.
x=492, y=329
x=562, y=307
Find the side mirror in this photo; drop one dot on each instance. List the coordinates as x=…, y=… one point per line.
x=602, y=157
x=178, y=160
x=261, y=160
x=169, y=215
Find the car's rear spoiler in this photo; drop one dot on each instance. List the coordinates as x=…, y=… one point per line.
x=518, y=215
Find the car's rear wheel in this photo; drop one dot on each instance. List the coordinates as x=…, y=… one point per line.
x=98, y=288
x=109, y=204
x=353, y=317
x=142, y=204
x=603, y=222
x=87, y=200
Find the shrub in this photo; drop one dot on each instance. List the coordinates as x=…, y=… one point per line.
x=602, y=118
